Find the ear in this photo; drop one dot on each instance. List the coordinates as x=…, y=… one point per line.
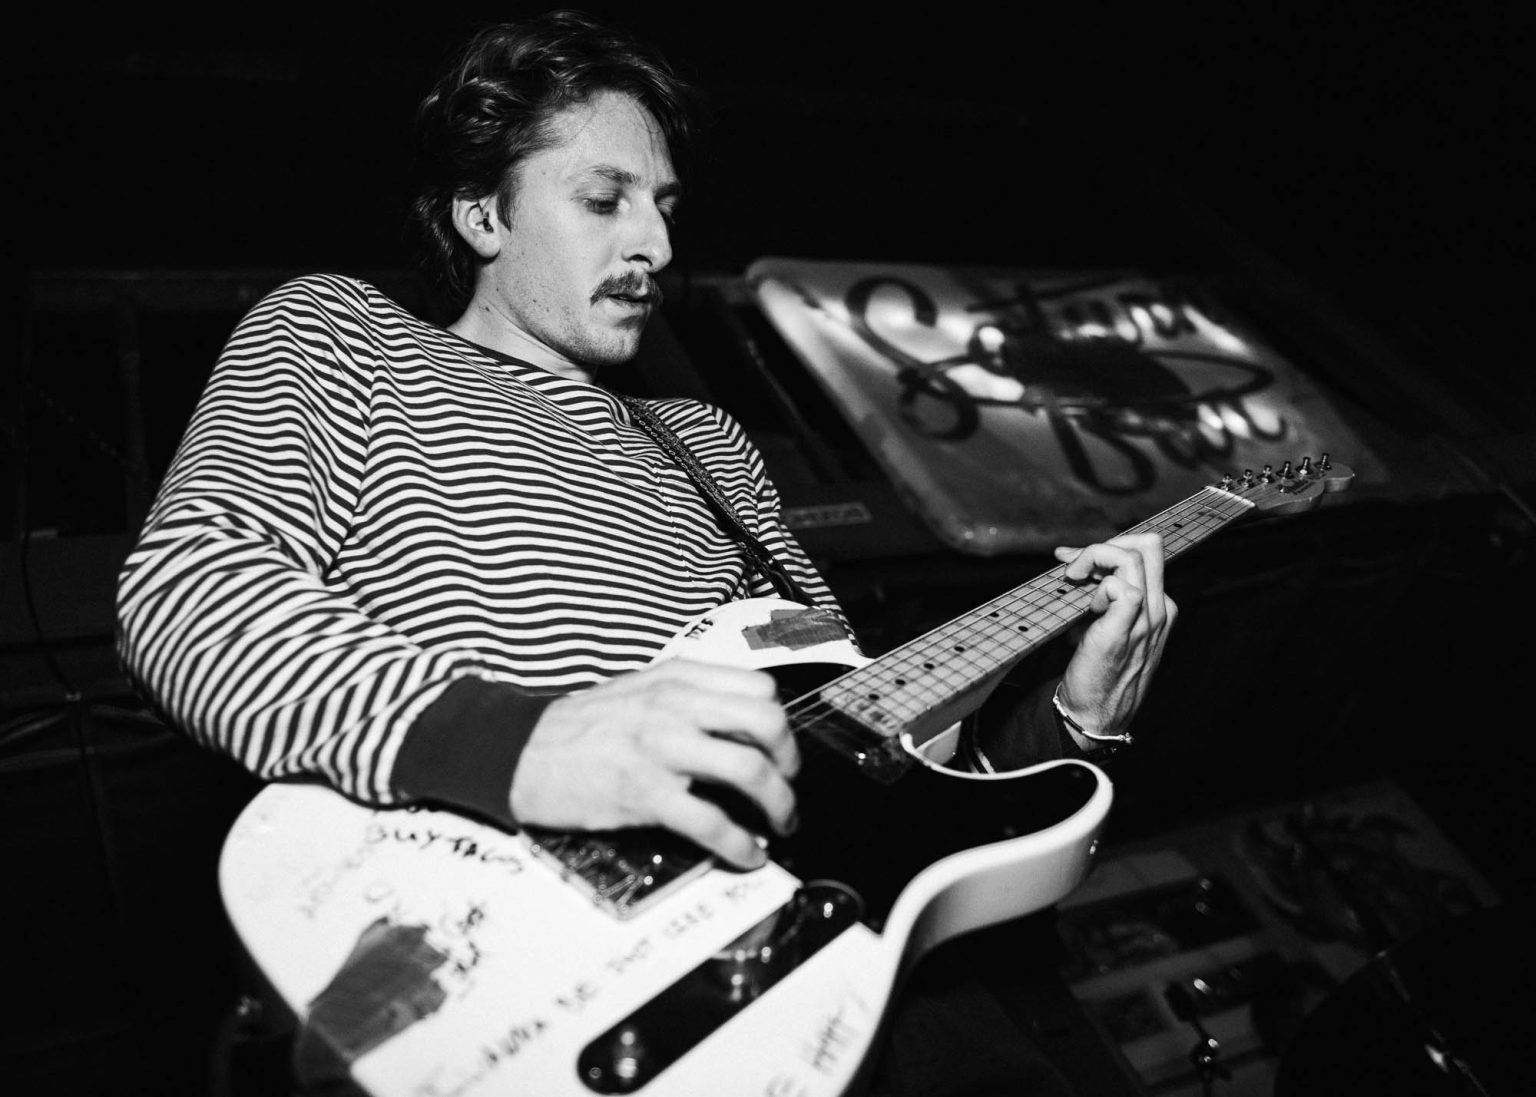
x=476, y=220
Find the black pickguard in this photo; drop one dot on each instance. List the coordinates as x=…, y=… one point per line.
x=875, y=836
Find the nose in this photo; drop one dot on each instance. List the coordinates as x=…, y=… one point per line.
x=651, y=244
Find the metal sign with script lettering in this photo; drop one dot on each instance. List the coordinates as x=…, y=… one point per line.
x=1018, y=410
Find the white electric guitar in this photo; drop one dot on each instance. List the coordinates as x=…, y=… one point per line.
x=425, y=953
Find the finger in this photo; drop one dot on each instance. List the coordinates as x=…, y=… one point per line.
x=754, y=722
x=1120, y=605
x=1159, y=639
x=1160, y=615
x=1148, y=550
x=743, y=769
x=1107, y=559
x=1149, y=546
x=1151, y=659
x=714, y=830
x=719, y=677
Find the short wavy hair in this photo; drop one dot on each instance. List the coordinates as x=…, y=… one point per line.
x=494, y=107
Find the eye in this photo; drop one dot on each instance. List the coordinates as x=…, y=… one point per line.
x=603, y=206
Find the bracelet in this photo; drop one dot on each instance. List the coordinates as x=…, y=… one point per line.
x=1124, y=739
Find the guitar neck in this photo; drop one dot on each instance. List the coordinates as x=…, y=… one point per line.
x=930, y=674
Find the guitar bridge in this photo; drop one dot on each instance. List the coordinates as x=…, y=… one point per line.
x=619, y=870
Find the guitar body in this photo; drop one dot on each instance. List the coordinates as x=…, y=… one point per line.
x=501, y=973
x=425, y=953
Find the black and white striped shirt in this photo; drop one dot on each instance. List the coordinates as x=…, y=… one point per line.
x=374, y=530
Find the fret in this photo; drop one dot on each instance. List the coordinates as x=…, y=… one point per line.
x=924, y=674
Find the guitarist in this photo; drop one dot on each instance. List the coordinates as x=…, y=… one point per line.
x=434, y=564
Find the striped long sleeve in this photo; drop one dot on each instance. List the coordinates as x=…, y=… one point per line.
x=374, y=531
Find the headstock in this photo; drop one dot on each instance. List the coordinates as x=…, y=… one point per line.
x=1291, y=487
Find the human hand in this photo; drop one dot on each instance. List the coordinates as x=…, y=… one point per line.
x=626, y=752
x=1109, y=672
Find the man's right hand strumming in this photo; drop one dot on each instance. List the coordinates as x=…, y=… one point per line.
x=627, y=753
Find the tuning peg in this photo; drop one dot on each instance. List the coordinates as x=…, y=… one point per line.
x=1226, y=482
x=1285, y=471
x=1247, y=477
x=1324, y=464
x=1268, y=475
x=1306, y=467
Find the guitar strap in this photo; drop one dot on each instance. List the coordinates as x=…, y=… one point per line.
x=651, y=423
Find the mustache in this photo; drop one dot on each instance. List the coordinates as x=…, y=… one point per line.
x=629, y=284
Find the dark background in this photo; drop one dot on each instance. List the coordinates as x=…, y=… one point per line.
x=1371, y=159
x=1360, y=177
x=1388, y=140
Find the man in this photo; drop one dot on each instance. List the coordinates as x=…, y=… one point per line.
x=436, y=564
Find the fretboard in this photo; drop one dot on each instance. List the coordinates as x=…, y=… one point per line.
x=927, y=674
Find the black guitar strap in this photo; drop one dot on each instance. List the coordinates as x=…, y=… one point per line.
x=664, y=437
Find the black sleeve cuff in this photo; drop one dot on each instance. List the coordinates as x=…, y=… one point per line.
x=1027, y=733
x=463, y=749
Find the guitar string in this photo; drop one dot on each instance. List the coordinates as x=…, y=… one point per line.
x=1188, y=523
x=981, y=651
x=962, y=664
x=1032, y=597
x=1213, y=507
x=1044, y=608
